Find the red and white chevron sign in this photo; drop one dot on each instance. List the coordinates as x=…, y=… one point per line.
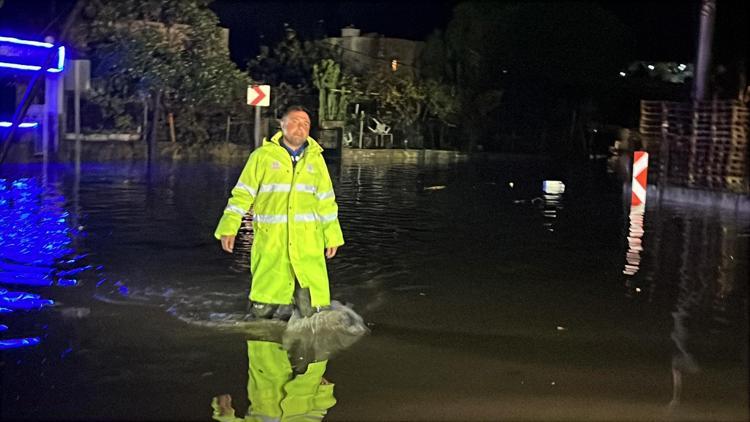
x=259, y=95
x=640, y=174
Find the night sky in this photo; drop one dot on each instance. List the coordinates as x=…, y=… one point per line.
x=663, y=30
x=249, y=21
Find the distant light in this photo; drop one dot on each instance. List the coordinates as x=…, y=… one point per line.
x=511, y=184
x=623, y=74
x=638, y=289
x=505, y=71
x=651, y=67
x=394, y=65
x=553, y=187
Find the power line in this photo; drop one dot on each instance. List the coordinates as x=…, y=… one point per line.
x=370, y=56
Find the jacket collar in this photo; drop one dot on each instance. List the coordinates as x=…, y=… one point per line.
x=312, y=145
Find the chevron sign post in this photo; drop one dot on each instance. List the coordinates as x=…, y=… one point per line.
x=258, y=96
x=640, y=174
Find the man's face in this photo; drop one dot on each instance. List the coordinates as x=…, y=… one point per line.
x=296, y=127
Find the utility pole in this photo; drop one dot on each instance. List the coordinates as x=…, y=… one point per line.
x=705, y=39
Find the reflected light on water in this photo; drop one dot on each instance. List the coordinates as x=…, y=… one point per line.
x=553, y=191
x=35, y=248
x=635, y=240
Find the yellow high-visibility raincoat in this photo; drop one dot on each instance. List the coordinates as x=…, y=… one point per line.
x=275, y=393
x=295, y=217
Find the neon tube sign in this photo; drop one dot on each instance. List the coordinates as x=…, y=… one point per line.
x=30, y=55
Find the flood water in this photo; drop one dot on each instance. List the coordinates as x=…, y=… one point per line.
x=487, y=297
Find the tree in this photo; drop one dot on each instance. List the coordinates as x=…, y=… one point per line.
x=288, y=68
x=166, y=52
x=335, y=89
x=400, y=99
x=524, y=56
x=291, y=61
x=438, y=71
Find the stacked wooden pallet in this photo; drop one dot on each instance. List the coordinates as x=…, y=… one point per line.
x=702, y=145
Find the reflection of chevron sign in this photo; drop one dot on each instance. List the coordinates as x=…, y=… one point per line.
x=259, y=95
x=640, y=173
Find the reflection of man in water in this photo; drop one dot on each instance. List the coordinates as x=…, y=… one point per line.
x=295, y=219
x=276, y=391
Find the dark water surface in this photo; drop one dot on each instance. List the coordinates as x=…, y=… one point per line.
x=487, y=297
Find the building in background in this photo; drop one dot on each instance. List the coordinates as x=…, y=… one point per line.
x=365, y=52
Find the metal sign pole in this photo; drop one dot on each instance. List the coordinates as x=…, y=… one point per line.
x=258, y=96
x=257, y=127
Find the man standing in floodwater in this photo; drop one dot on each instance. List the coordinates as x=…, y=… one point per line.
x=295, y=219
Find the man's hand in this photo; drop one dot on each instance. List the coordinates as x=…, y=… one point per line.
x=224, y=405
x=227, y=243
x=331, y=252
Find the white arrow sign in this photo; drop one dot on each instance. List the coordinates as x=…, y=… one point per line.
x=259, y=95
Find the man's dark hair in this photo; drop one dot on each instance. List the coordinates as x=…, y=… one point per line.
x=294, y=108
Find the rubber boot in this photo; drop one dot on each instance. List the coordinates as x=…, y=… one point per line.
x=302, y=301
x=263, y=310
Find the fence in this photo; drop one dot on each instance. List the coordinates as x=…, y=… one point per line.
x=697, y=145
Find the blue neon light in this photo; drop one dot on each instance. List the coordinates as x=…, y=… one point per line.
x=35, y=237
x=15, y=343
x=29, y=55
x=24, y=125
x=36, y=240
x=66, y=282
x=26, y=42
x=60, y=60
x=23, y=301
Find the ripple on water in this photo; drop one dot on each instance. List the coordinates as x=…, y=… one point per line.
x=36, y=251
